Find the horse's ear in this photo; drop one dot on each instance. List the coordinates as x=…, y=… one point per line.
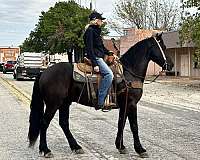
x=159, y=35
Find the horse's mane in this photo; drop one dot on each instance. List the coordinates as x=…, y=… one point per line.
x=133, y=50
x=137, y=45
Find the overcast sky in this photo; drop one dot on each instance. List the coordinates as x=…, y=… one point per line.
x=18, y=17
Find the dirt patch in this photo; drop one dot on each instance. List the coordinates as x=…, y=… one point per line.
x=174, y=91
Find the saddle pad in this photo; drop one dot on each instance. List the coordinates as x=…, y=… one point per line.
x=80, y=72
x=79, y=75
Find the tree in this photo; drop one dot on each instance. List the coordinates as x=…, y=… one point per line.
x=146, y=14
x=60, y=29
x=133, y=13
x=163, y=15
x=34, y=43
x=190, y=27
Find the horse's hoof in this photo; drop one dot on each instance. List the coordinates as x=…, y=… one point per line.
x=123, y=151
x=79, y=151
x=47, y=155
x=144, y=155
x=31, y=146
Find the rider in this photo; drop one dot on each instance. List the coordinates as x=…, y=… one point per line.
x=96, y=51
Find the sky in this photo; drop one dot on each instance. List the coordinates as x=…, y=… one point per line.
x=18, y=17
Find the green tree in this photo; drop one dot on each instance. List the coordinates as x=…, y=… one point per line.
x=190, y=27
x=34, y=43
x=59, y=29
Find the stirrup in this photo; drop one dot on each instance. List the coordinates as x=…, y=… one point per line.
x=108, y=107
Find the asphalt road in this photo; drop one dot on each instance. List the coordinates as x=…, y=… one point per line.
x=168, y=131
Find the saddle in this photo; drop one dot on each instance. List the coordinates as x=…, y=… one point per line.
x=83, y=72
x=85, y=67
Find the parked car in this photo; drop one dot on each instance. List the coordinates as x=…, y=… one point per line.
x=9, y=66
x=1, y=66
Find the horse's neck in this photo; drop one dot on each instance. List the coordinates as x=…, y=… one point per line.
x=137, y=67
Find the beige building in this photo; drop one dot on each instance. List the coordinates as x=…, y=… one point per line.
x=9, y=53
x=182, y=55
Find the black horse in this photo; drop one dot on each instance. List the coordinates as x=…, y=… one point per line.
x=57, y=89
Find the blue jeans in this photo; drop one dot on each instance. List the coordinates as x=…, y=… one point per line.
x=106, y=80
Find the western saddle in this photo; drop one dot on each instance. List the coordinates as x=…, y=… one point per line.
x=83, y=72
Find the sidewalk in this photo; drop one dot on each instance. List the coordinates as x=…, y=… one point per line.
x=179, y=81
x=14, y=128
x=176, y=91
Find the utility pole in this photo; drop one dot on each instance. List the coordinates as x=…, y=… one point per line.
x=78, y=2
x=92, y=5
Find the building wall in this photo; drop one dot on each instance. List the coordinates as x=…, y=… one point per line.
x=109, y=45
x=183, y=63
x=9, y=53
x=132, y=36
x=153, y=69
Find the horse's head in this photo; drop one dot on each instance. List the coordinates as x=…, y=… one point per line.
x=157, y=53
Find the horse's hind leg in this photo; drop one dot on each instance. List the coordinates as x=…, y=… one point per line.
x=48, y=116
x=132, y=116
x=64, y=123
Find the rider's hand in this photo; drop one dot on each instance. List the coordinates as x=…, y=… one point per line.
x=96, y=68
x=115, y=57
x=110, y=53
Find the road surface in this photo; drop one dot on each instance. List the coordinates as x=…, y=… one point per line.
x=168, y=131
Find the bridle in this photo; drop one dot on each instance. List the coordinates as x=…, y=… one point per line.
x=163, y=54
x=164, y=67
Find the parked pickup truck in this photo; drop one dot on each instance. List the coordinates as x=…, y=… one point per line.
x=29, y=64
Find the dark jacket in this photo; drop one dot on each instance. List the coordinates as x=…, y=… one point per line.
x=94, y=46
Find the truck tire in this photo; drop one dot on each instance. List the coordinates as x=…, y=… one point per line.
x=14, y=75
x=18, y=78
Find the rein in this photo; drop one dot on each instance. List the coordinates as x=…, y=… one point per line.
x=135, y=75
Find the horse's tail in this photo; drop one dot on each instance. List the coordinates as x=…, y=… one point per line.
x=36, y=113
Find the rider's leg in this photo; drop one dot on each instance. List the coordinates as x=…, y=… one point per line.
x=106, y=81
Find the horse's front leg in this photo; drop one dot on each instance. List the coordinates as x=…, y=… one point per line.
x=121, y=124
x=132, y=117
